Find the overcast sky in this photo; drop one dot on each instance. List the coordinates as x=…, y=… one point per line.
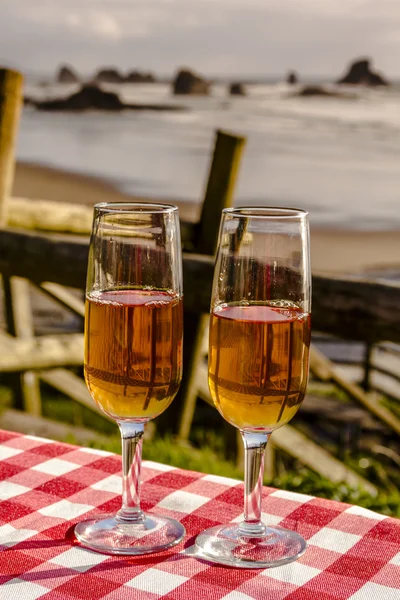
x=254, y=37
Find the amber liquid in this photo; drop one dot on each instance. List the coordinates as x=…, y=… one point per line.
x=258, y=364
x=133, y=351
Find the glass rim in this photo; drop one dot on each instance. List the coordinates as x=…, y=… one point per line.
x=263, y=212
x=132, y=207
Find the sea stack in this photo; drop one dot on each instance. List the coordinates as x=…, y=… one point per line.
x=360, y=73
x=237, y=89
x=108, y=75
x=292, y=78
x=187, y=82
x=66, y=74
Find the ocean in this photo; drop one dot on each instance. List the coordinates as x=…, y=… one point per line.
x=338, y=158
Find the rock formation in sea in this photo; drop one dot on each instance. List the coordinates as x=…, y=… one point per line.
x=292, y=78
x=88, y=97
x=237, y=89
x=108, y=75
x=111, y=75
x=139, y=77
x=187, y=82
x=359, y=72
x=66, y=74
x=320, y=91
x=91, y=97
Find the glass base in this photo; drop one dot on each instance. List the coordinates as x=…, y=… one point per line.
x=110, y=535
x=230, y=545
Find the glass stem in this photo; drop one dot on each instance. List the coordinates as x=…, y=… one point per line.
x=254, y=450
x=132, y=440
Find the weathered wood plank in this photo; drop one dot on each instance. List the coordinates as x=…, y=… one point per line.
x=221, y=183
x=10, y=108
x=64, y=217
x=323, y=368
x=299, y=446
x=190, y=392
x=38, y=353
x=61, y=295
x=73, y=386
x=40, y=257
x=63, y=260
x=47, y=215
x=19, y=320
x=338, y=412
x=16, y=420
x=356, y=309
x=386, y=359
x=382, y=382
x=348, y=308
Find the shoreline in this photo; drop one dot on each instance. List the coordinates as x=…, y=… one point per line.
x=44, y=182
x=333, y=251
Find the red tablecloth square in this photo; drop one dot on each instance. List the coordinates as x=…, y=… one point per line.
x=172, y=480
x=108, y=464
x=361, y=568
x=11, y=510
x=80, y=586
x=50, y=450
x=20, y=563
x=61, y=487
x=232, y=496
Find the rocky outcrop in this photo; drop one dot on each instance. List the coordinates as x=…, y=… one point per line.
x=90, y=97
x=187, y=82
x=319, y=91
x=28, y=101
x=108, y=76
x=359, y=72
x=66, y=74
x=138, y=77
x=292, y=78
x=114, y=76
x=237, y=89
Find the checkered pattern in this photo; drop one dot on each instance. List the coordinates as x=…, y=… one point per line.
x=46, y=487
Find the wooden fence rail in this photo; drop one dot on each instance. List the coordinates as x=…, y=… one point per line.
x=351, y=309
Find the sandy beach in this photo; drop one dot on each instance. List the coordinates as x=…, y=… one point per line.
x=332, y=251
x=45, y=183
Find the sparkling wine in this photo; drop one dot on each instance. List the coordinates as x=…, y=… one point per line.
x=133, y=351
x=258, y=363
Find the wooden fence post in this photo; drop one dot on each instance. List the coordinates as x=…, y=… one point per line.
x=366, y=382
x=10, y=108
x=16, y=291
x=219, y=194
x=19, y=319
x=220, y=187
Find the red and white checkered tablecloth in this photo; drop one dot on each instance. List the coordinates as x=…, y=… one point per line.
x=46, y=487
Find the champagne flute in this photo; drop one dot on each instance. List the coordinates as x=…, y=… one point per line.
x=258, y=362
x=133, y=353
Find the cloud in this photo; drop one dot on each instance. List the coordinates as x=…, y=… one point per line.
x=98, y=23
x=214, y=36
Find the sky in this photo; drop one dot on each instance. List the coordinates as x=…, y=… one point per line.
x=215, y=37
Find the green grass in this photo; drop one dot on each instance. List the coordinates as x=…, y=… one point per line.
x=306, y=481
x=184, y=456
